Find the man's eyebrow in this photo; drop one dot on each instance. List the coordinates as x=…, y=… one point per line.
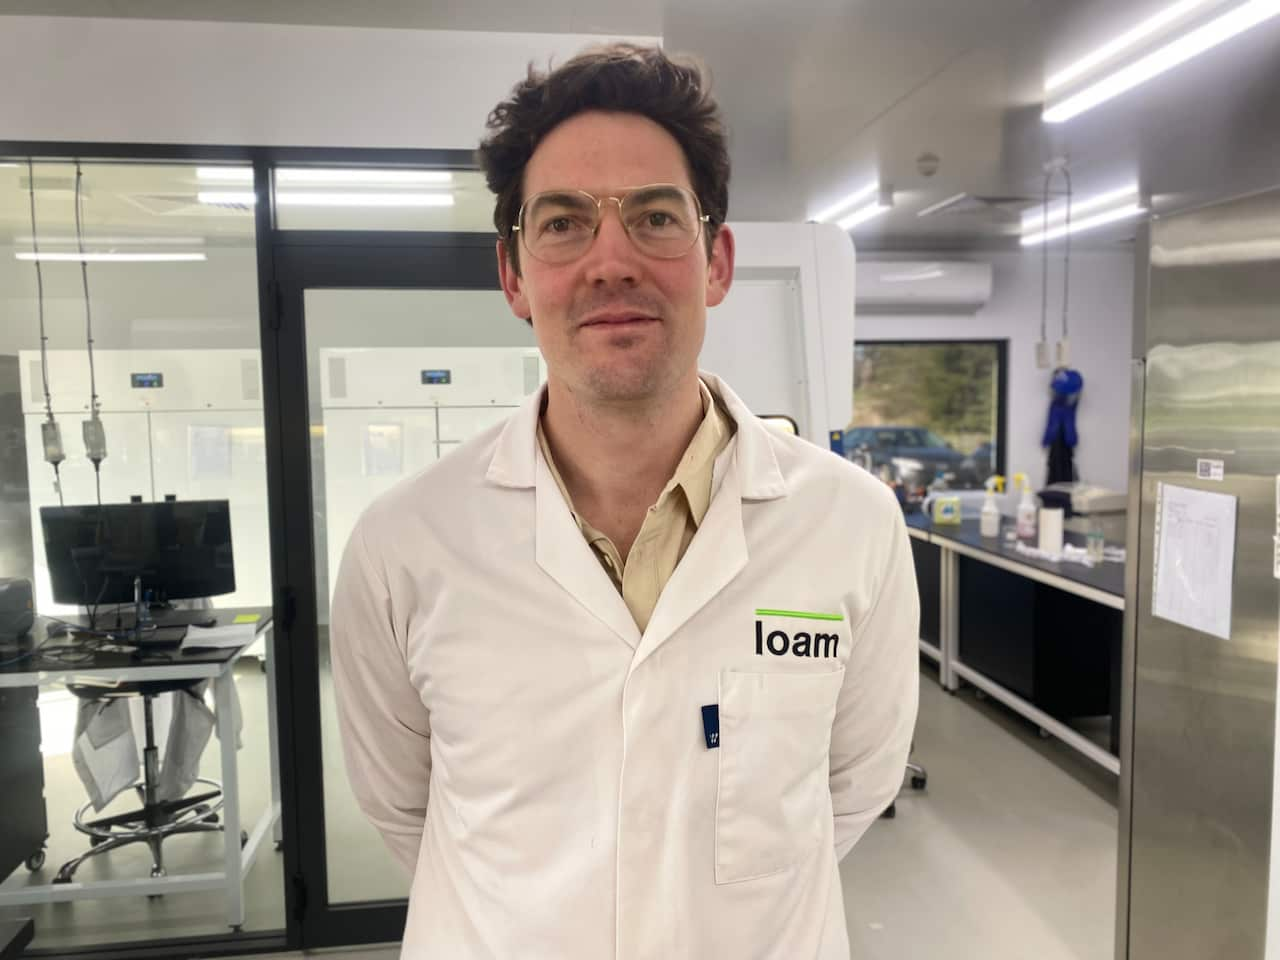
x=562, y=196
x=656, y=190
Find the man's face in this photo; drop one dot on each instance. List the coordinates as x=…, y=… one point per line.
x=616, y=326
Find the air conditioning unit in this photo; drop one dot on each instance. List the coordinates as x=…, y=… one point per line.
x=922, y=286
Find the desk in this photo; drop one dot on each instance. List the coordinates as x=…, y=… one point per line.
x=1089, y=601
x=214, y=665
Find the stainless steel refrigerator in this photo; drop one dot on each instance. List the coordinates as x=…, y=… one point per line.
x=1203, y=620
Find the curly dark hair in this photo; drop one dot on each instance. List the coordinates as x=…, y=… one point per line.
x=673, y=92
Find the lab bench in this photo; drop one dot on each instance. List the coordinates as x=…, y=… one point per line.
x=1042, y=638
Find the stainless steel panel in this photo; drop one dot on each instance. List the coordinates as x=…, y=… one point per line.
x=1204, y=708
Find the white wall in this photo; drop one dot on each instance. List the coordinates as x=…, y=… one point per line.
x=1101, y=324
x=178, y=81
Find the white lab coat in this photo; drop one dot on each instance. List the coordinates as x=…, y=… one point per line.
x=541, y=767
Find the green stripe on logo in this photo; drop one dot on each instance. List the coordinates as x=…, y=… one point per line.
x=799, y=614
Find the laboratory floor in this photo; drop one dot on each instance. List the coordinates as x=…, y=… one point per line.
x=1010, y=854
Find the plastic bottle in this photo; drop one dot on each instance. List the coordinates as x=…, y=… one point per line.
x=990, y=517
x=1026, y=510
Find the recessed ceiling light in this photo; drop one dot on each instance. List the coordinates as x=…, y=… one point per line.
x=1088, y=223
x=1033, y=218
x=1122, y=43
x=847, y=203
x=294, y=199
x=225, y=174
x=1177, y=51
x=112, y=257
x=359, y=176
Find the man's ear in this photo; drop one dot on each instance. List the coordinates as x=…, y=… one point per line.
x=720, y=267
x=512, y=283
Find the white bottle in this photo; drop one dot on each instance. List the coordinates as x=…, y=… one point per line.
x=1026, y=511
x=989, y=524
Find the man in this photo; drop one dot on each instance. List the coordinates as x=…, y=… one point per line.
x=625, y=676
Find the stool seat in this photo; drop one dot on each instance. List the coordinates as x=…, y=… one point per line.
x=133, y=688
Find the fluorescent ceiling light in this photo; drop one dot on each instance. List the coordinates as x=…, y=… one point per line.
x=863, y=214
x=225, y=174
x=1033, y=217
x=942, y=205
x=1088, y=223
x=328, y=175
x=1121, y=43
x=297, y=199
x=227, y=198
x=852, y=200
x=1191, y=44
x=356, y=176
x=292, y=199
x=113, y=257
x=117, y=241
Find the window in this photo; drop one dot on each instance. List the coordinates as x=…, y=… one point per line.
x=929, y=411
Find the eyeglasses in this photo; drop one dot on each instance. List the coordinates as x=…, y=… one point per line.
x=662, y=220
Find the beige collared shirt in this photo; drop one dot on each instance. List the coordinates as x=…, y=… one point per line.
x=669, y=525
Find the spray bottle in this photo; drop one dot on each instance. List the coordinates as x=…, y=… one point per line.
x=1026, y=509
x=990, y=522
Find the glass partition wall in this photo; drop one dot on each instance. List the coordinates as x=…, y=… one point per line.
x=127, y=301
x=143, y=297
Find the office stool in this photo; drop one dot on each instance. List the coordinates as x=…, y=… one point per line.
x=919, y=780
x=156, y=819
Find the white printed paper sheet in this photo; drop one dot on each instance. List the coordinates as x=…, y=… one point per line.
x=1195, y=547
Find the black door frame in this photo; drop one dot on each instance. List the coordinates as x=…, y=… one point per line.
x=346, y=260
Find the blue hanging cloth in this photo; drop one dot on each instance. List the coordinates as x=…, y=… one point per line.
x=1060, y=434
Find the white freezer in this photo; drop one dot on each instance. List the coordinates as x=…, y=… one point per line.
x=181, y=422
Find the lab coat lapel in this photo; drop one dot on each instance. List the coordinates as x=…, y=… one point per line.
x=746, y=471
x=564, y=554
x=560, y=550
x=717, y=554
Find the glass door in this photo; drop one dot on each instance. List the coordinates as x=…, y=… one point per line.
x=392, y=354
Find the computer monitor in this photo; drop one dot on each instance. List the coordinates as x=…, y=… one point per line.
x=180, y=549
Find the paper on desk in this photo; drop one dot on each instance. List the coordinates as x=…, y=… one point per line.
x=218, y=638
x=1195, y=548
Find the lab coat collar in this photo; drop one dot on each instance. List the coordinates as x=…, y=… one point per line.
x=515, y=461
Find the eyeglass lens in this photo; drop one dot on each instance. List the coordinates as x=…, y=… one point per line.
x=560, y=225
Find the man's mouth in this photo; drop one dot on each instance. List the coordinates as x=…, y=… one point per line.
x=614, y=320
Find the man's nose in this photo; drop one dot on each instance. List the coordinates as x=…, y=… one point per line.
x=613, y=256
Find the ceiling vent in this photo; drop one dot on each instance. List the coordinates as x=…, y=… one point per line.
x=181, y=205
x=1001, y=208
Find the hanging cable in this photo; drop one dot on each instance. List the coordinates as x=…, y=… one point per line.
x=1066, y=265
x=1042, y=348
x=51, y=435
x=1044, y=262
x=84, y=277
x=95, y=438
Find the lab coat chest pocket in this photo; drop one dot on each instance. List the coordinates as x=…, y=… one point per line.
x=773, y=796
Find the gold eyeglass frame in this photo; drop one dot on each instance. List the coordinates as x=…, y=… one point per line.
x=702, y=218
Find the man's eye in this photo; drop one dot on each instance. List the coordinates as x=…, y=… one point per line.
x=561, y=225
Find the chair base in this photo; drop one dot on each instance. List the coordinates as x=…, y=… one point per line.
x=150, y=825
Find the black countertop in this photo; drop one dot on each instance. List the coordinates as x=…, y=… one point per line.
x=46, y=648
x=1107, y=577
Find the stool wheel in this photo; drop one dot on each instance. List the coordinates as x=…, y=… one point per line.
x=35, y=861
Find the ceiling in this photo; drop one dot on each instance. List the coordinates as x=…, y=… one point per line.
x=824, y=96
